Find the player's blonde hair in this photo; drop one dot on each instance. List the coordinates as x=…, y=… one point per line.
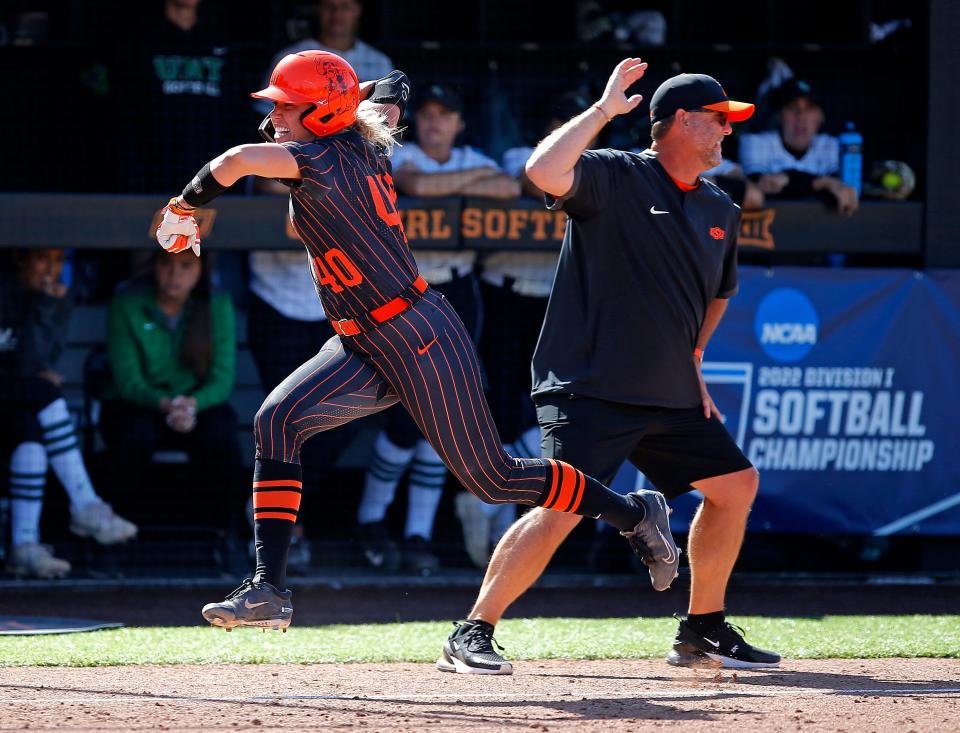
x=374, y=127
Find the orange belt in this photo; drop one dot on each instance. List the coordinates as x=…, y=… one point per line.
x=390, y=309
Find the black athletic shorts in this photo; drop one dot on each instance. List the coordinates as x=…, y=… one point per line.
x=672, y=447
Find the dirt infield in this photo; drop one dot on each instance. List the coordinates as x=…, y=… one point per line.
x=897, y=695
x=825, y=695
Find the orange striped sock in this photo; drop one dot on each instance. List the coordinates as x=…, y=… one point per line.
x=277, y=499
x=277, y=487
x=564, y=487
x=567, y=489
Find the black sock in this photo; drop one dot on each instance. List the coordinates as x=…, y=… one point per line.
x=701, y=622
x=276, y=501
x=567, y=489
x=479, y=624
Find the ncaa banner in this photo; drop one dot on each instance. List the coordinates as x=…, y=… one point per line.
x=841, y=386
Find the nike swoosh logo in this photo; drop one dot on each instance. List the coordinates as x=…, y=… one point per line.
x=653, y=210
x=711, y=642
x=671, y=555
x=423, y=349
x=247, y=603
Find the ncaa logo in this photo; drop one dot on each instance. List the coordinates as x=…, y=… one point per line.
x=786, y=325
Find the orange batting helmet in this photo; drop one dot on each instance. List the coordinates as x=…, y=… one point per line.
x=324, y=80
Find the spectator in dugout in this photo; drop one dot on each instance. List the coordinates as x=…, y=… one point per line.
x=796, y=160
x=172, y=344
x=37, y=431
x=173, y=65
x=432, y=166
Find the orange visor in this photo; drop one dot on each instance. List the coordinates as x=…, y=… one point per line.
x=736, y=111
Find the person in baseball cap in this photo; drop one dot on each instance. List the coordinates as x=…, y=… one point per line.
x=655, y=248
x=790, y=91
x=446, y=97
x=694, y=92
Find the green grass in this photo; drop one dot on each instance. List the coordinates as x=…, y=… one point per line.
x=538, y=638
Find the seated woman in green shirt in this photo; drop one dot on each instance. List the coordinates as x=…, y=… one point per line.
x=172, y=346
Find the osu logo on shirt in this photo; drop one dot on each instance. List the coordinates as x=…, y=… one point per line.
x=717, y=233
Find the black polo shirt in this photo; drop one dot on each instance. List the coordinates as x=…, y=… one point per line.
x=640, y=262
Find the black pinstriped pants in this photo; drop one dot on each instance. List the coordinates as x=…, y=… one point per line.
x=425, y=360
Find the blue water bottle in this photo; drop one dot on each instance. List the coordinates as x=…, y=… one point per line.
x=851, y=157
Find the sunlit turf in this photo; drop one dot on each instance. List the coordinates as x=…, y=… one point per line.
x=536, y=638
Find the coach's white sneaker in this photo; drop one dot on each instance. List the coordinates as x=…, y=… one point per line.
x=98, y=520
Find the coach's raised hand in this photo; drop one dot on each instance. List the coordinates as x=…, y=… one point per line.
x=178, y=229
x=615, y=100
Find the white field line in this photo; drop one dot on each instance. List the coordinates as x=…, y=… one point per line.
x=725, y=691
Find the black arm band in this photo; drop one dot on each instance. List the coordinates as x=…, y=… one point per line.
x=203, y=189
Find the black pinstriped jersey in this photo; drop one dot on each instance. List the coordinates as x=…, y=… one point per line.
x=639, y=264
x=344, y=212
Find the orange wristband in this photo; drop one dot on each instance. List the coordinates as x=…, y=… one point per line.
x=698, y=352
x=177, y=209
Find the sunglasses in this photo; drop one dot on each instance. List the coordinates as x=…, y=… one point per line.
x=721, y=116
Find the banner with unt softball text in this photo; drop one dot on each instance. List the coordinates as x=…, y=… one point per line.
x=842, y=386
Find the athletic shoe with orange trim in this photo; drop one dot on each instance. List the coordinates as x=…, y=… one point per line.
x=252, y=604
x=469, y=650
x=652, y=540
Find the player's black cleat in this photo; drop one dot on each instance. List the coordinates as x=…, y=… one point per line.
x=723, y=646
x=252, y=604
x=469, y=650
x=652, y=540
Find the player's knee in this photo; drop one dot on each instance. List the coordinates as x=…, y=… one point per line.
x=269, y=421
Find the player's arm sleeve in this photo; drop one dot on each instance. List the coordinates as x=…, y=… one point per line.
x=218, y=384
x=594, y=179
x=128, y=375
x=315, y=161
x=728, y=278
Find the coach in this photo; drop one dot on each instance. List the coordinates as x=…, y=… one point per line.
x=647, y=264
